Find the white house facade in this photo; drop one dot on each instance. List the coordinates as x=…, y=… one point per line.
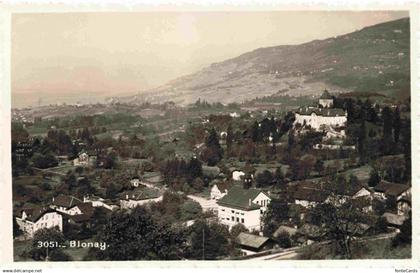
x=243, y=206
x=320, y=118
x=33, y=220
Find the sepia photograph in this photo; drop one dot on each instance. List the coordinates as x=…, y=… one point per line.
x=246, y=136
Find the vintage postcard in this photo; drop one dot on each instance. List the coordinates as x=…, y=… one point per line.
x=232, y=135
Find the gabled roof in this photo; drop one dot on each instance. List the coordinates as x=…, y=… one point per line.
x=311, y=195
x=349, y=190
x=251, y=240
x=224, y=185
x=33, y=214
x=141, y=193
x=326, y=112
x=326, y=95
x=394, y=219
x=86, y=208
x=290, y=230
x=66, y=201
x=239, y=198
x=392, y=189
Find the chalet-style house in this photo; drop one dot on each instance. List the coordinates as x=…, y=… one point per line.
x=355, y=191
x=66, y=204
x=252, y=244
x=31, y=220
x=139, y=196
x=244, y=206
x=387, y=189
x=322, y=117
x=220, y=189
x=308, y=197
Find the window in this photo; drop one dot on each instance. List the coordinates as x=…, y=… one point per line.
x=237, y=219
x=233, y=211
x=233, y=218
x=242, y=220
x=223, y=209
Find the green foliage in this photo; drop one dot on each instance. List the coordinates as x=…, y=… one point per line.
x=137, y=236
x=215, y=244
x=44, y=161
x=53, y=250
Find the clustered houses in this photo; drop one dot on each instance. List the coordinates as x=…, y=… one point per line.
x=30, y=220
x=242, y=205
x=324, y=117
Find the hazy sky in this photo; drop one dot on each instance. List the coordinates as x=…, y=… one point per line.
x=130, y=52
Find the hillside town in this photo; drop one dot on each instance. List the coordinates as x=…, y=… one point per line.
x=330, y=178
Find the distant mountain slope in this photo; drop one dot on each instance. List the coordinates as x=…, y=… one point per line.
x=374, y=59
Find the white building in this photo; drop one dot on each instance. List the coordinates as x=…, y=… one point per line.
x=33, y=219
x=243, y=206
x=320, y=118
x=237, y=175
x=84, y=159
x=219, y=190
x=97, y=201
x=326, y=100
x=67, y=204
x=138, y=197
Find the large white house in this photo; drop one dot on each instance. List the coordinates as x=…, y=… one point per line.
x=243, y=206
x=322, y=117
x=33, y=219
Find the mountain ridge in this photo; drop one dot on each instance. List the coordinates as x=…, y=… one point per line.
x=373, y=59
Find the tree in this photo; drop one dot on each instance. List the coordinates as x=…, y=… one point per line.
x=405, y=235
x=387, y=130
x=341, y=224
x=208, y=241
x=43, y=249
x=277, y=212
x=361, y=138
x=212, y=140
x=374, y=178
x=319, y=166
x=44, y=161
x=229, y=140
x=137, y=236
x=396, y=125
x=264, y=179
x=236, y=230
x=283, y=239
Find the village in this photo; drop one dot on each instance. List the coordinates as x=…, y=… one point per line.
x=221, y=182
